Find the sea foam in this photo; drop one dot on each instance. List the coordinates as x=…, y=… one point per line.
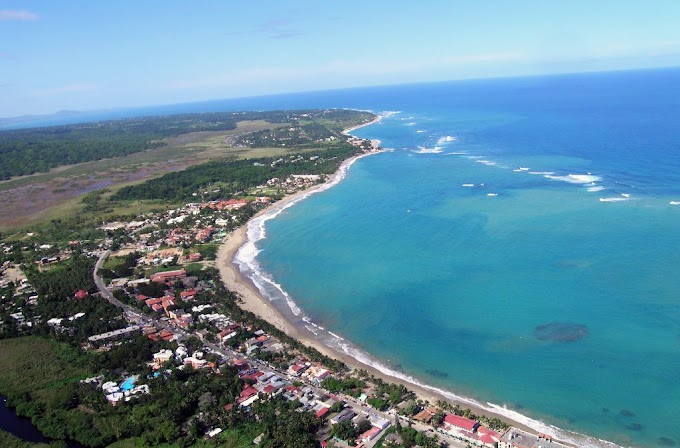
x=424, y=150
x=575, y=178
x=446, y=139
x=617, y=199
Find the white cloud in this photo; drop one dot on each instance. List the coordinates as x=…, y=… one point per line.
x=17, y=14
x=71, y=88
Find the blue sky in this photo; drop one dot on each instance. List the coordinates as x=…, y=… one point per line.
x=84, y=55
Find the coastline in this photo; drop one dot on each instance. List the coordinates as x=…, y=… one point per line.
x=254, y=301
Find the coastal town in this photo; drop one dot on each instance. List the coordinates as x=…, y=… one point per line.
x=158, y=276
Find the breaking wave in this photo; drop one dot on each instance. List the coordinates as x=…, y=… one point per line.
x=424, y=150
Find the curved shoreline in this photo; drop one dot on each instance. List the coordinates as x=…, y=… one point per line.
x=254, y=301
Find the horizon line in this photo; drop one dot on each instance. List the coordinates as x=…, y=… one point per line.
x=28, y=118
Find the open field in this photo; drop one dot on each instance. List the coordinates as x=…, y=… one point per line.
x=38, y=366
x=52, y=195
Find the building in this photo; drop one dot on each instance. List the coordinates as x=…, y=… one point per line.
x=516, y=438
x=161, y=358
x=195, y=363
x=456, y=423
x=167, y=276
x=81, y=294
x=345, y=414
x=379, y=422
x=123, y=332
x=426, y=415
x=369, y=435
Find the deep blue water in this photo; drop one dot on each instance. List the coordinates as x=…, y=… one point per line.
x=548, y=284
x=18, y=426
x=23, y=428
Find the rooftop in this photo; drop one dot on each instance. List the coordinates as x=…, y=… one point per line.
x=520, y=439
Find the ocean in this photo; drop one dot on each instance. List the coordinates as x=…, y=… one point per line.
x=517, y=244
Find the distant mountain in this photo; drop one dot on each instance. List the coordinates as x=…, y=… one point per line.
x=28, y=119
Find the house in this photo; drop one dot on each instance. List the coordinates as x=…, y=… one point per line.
x=248, y=396
x=425, y=415
x=345, y=414
x=204, y=235
x=379, y=422
x=225, y=335
x=81, y=294
x=166, y=335
x=195, y=363
x=487, y=437
x=321, y=413
x=161, y=358
x=189, y=294
x=296, y=369
x=369, y=435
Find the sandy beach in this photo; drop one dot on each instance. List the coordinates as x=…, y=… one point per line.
x=254, y=302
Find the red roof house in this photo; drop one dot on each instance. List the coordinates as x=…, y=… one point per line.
x=247, y=393
x=80, y=295
x=463, y=423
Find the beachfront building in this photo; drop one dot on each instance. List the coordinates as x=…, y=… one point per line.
x=470, y=430
x=516, y=438
x=457, y=425
x=164, y=277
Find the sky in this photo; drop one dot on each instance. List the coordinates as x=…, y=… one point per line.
x=90, y=55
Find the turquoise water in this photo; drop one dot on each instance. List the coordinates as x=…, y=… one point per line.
x=128, y=384
x=553, y=295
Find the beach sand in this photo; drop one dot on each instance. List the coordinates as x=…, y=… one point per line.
x=254, y=302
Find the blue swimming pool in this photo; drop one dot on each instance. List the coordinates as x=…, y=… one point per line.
x=128, y=383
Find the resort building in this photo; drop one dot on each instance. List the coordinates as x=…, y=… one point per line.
x=163, y=277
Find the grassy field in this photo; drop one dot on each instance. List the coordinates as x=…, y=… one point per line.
x=37, y=366
x=56, y=194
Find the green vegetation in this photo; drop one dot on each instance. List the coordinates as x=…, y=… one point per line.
x=56, y=288
x=41, y=379
x=116, y=267
x=241, y=174
x=349, y=386
x=208, y=251
x=65, y=280
x=28, y=151
x=7, y=440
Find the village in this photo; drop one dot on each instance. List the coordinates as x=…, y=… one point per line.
x=159, y=270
